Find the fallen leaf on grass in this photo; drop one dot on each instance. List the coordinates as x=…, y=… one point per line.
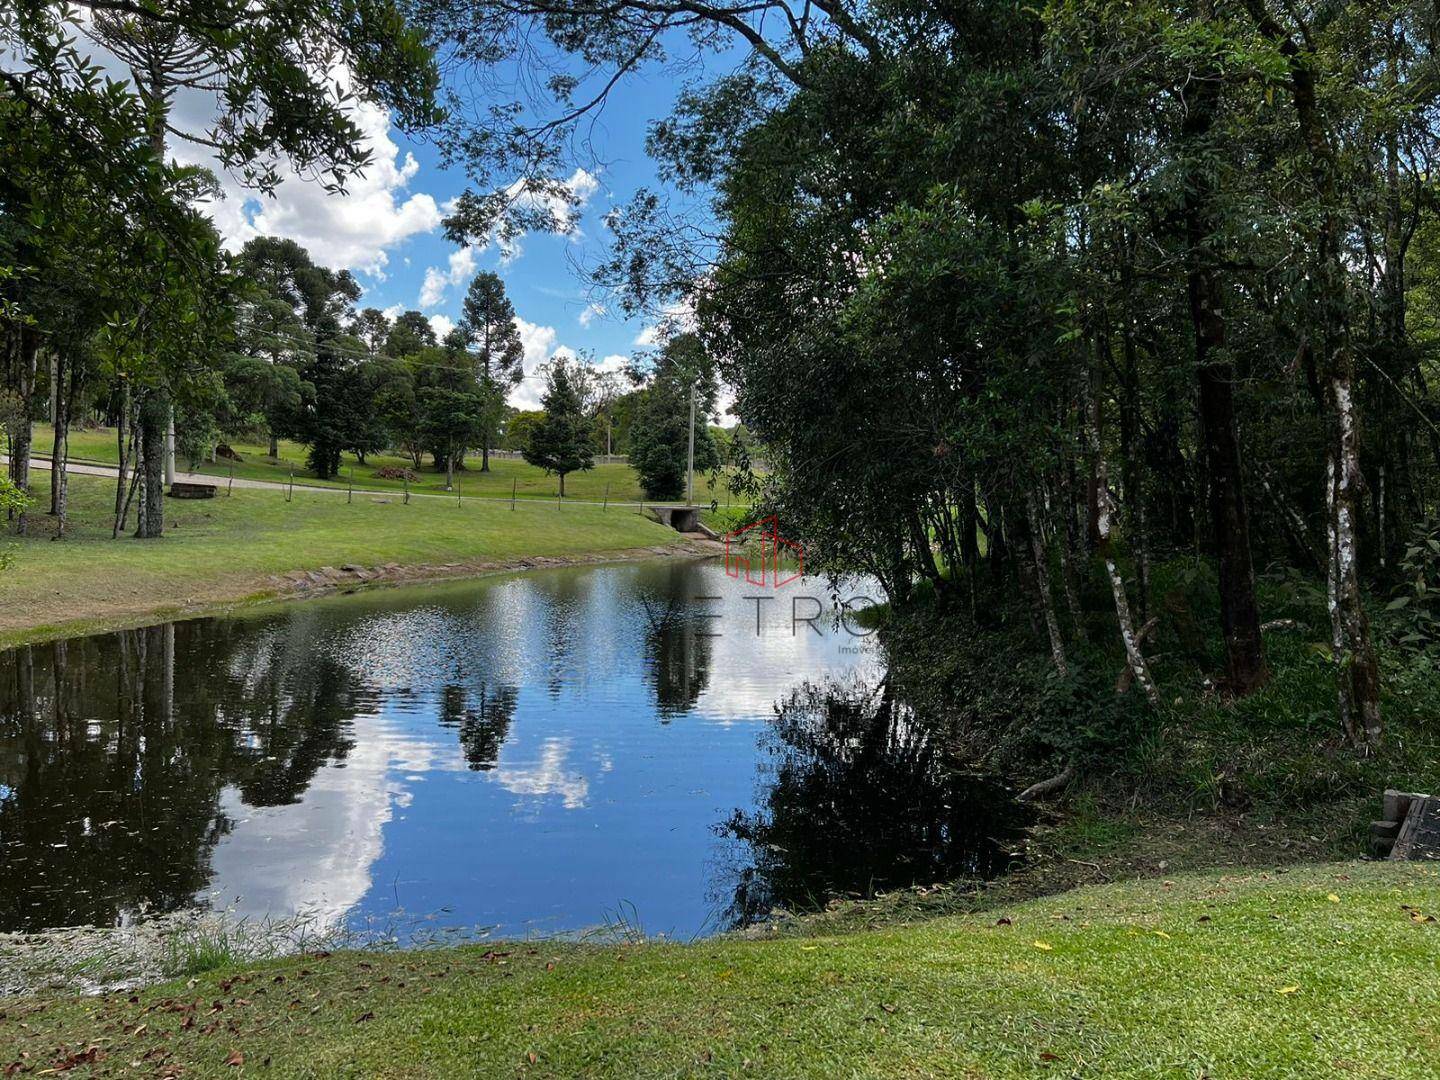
x=1043, y=945
x=1333, y=898
x=1288, y=990
x=236, y=1058
x=1162, y=934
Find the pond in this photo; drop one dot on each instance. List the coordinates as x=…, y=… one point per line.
x=542, y=752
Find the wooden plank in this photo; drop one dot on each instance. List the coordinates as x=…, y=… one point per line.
x=1419, y=836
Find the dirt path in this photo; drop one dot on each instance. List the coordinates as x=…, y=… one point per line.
x=85, y=469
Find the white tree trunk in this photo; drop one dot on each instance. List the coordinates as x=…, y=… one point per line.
x=1104, y=522
x=1357, y=675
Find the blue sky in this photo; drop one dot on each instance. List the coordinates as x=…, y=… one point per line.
x=387, y=229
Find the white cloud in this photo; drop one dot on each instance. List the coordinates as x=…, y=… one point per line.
x=539, y=344
x=591, y=313
x=441, y=324
x=582, y=185
x=460, y=268
x=677, y=318
x=353, y=230
x=549, y=774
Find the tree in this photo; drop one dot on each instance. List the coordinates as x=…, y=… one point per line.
x=410, y=333
x=273, y=338
x=451, y=420
x=284, y=80
x=372, y=327
x=334, y=414
x=488, y=323
x=382, y=385
x=12, y=501
x=335, y=409
x=660, y=436
x=560, y=443
x=520, y=427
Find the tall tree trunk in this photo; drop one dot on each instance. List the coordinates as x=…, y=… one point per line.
x=1245, y=665
x=1246, y=669
x=966, y=524
x=1134, y=658
x=274, y=446
x=485, y=452
x=1357, y=671
x=156, y=416
x=1131, y=463
x=64, y=388
x=154, y=421
x=1395, y=513
x=122, y=427
x=27, y=348
x=1042, y=586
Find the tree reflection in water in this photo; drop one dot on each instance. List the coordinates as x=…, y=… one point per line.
x=678, y=643
x=856, y=799
x=130, y=763
x=113, y=757
x=482, y=717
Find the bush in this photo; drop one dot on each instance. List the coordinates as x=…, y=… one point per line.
x=1413, y=616
x=396, y=472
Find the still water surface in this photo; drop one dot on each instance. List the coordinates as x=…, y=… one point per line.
x=533, y=753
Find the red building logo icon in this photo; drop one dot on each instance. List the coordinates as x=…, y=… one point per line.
x=766, y=558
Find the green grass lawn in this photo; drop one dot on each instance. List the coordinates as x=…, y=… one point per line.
x=1318, y=971
x=506, y=474
x=223, y=549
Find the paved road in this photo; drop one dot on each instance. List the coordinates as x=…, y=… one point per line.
x=43, y=465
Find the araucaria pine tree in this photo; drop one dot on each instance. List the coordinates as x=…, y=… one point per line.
x=560, y=443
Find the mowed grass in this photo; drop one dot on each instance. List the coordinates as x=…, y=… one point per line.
x=1320, y=971
x=617, y=481
x=224, y=549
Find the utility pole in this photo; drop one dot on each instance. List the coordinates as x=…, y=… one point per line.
x=690, y=463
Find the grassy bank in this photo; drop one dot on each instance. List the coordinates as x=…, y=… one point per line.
x=616, y=481
x=1272, y=768
x=227, y=549
x=1319, y=971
